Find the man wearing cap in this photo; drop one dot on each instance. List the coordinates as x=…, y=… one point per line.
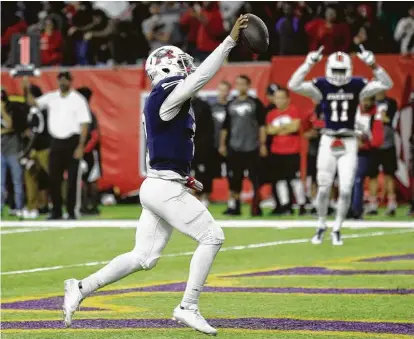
x=68, y=120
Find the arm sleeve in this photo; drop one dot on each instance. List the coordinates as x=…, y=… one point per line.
x=43, y=101
x=399, y=31
x=382, y=82
x=307, y=88
x=260, y=113
x=84, y=115
x=195, y=81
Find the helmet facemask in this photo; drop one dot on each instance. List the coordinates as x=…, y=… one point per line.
x=339, y=69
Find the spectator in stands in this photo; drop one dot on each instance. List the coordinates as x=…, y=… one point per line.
x=385, y=156
x=203, y=163
x=211, y=30
x=334, y=36
x=219, y=115
x=244, y=136
x=291, y=31
x=98, y=37
x=158, y=28
x=283, y=123
x=404, y=33
x=369, y=122
x=10, y=24
x=92, y=162
x=75, y=47
x=13, y=122
x=189, y=25
x=35, y=158
x=50, y=44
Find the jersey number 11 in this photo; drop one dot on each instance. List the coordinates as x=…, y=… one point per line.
x=344, y=105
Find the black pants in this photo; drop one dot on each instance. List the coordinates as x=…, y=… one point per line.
x=238, y=162
x=60, y=160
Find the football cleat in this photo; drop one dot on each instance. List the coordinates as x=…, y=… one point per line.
x=318, y=237
x=336, y=238
x=192, y=317
x=71, y=302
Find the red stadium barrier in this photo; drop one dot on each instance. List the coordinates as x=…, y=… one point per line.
x=117, y=96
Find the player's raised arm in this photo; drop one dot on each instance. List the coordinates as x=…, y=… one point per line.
x=382, y=81
x=297, y=82
x=195, y=81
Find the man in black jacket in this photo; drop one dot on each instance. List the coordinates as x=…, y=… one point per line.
x=203, y=163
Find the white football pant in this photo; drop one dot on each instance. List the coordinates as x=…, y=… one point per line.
x=328, y=162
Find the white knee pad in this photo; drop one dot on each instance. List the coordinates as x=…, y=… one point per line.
x=324, y=179
x=149, y=262
x=213, y=235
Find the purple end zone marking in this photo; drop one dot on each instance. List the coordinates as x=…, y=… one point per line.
x=242, y=323
x=55, y=303
x=52, y=303
x=389, y=258
x=320, y=271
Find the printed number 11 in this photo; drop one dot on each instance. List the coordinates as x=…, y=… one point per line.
x=344, y=111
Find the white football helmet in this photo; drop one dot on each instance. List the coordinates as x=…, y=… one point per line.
x=339, y=69
x=168, y=61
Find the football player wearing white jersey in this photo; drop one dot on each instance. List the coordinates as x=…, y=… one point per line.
x=166, y=201
x=339, y=94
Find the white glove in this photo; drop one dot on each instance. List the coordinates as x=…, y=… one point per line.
x=366, y=56
x=314, y=56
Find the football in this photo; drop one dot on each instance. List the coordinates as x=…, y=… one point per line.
x=256, y=35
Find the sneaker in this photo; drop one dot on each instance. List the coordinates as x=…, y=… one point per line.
x=302, y=210
x=318, y=237
x=54, y=217
x=30, y=214
x=372, y=212
x=73, y=298
x=44, y=210
x=232, y=211
x=390, y=212
x=336, y=238
x=192, y=317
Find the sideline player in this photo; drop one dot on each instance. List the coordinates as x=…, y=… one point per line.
x=339, y=94
x=167, y=204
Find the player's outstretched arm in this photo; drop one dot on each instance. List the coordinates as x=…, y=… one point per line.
x=382, y=81
x=195, y=81
x=297, y=82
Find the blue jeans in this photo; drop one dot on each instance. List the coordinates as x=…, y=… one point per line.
x=12, y=162
x=358, y=192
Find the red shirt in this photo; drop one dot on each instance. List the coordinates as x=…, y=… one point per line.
x=50, y=48
x=334, y=38
x=284, y=144
x=209, y=35
x=190, y=24
x=377, y=129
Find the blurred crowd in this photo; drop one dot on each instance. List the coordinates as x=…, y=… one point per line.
x=124, y=32
x=237, y=136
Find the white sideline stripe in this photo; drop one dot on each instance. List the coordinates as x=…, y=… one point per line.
x=26, y=230
x=224, y=249
x=224, y=223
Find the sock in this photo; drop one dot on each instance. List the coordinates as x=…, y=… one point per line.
x=299, y=191
x=344, y=201
x=372, y=203
x=282, y=192
x=392, y=202
x=200, y=266
x=119, y=267
x=231, y=203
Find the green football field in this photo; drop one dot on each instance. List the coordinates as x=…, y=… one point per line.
x=267, y=282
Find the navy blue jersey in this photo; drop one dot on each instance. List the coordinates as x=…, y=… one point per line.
x=339, y=103
x=170, y=143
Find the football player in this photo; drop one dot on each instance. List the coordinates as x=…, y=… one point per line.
x=339, y=94
x=167, y=204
